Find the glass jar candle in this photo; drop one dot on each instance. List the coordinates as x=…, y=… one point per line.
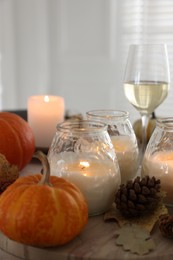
x=82, y=153
x=158, y=157
x=123, y=139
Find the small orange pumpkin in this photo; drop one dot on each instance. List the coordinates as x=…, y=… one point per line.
x=40, y=213
x=16, y=139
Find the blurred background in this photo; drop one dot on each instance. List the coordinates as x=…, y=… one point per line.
x=77, y=49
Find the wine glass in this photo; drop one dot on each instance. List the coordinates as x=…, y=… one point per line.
x=147, y=80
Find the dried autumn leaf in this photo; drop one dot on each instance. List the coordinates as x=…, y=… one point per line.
x=135, y=239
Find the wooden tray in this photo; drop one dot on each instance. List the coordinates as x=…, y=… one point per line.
x=97, y=241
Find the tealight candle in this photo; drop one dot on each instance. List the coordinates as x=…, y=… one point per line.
x=97, y=181
x=44, y=113
x=123, y=139
x=160, y=165
x=127, y=155
x=82, y=153
x=158, y=157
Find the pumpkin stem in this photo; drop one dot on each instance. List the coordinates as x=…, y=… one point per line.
x=46, y=167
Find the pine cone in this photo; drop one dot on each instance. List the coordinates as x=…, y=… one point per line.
x=8, y=173
x=138, y=197
x=166, y=225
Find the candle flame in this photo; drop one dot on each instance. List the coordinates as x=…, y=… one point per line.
x=164, y=156
x=46, y=99
x=84, y=164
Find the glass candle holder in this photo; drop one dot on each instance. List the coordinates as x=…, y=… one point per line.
x=82, y=153
x=123, y=139
x=158, y=157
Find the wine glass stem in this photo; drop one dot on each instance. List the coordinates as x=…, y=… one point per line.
x=145, y=120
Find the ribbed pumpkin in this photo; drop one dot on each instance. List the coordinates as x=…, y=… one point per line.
x=16, y=139
x=42, y=210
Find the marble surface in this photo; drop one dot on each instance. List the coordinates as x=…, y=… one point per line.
x=97, y=241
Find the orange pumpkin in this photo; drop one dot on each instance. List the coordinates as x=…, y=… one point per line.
x=40, y=213
x=16, y=139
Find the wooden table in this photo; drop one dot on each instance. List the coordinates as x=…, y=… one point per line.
x=97, y=241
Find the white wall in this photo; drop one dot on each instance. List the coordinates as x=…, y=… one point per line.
x=62, y=47
x=77, y=49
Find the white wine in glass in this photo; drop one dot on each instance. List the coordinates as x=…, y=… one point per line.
x=147, y=80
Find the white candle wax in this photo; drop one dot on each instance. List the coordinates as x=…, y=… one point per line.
x=98, y=182
x=160, y=165
x=127, y=155
x=44, y=113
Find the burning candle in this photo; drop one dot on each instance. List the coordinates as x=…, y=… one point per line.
x=97, y=181
x=160, y=165
x=44, y=113
x=123, y=138
x=127, y=155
